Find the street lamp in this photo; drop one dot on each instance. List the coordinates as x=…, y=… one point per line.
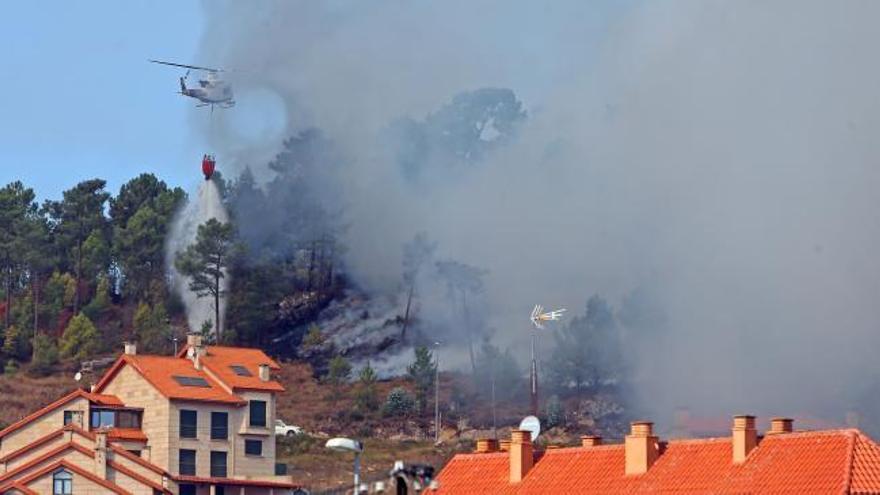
x=348, y=445
x=437, y=344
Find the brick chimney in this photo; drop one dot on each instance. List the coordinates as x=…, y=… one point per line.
x=264, y=372
x=781, y=425
x=486, y=445
x=193, y=340
x=745, y=437
x=197, y=349
x=591, y=441
x=130, y=348
x=521, y=455
x=504, y=445
x=641, y=446
x=101, y=453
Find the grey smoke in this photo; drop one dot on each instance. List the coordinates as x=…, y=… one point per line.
x=721, y=156
x=206, y=205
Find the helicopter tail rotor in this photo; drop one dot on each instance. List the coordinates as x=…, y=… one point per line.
x=183, y=85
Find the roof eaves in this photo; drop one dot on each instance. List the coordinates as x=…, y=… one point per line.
x=43, y=410
x=113, y=487
x=137, y=477
x=138, y=460
x=46, y=456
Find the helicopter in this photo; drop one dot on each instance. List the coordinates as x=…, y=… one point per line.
x=211, y=89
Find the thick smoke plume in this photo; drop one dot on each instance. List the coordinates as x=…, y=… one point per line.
x=207, y=205
x=718, y=157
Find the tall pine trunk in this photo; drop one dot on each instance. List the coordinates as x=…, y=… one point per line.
x=35, y=287
x=217, y=307
x=8, y=296
x=406, y=312
x=76, y=295
x=468, y=330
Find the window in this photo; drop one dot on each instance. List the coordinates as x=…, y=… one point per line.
x=191, y=381
x=102, y=418
x=135, y=452
x=219, y=490
x=189, y=422
x=258, y=413
x=68, y=417
x=219, y=426
x=128, y=419
x=218, y=464
x=62, y=483
x=187, y=489
x=253, y=447
x=186, y=464
x=240, y=370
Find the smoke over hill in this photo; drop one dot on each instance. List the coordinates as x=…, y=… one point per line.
x=718, y=158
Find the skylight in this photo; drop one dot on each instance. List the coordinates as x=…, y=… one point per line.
x=191, y=381
x=240, y=370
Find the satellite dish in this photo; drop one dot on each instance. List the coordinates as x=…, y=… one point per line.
x=344, y=445
x=78, y=376
x=190, y=352
x=532, y=425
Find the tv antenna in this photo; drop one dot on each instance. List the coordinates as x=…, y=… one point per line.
x=538, y=318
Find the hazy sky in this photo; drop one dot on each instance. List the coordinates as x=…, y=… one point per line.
x=79, y=100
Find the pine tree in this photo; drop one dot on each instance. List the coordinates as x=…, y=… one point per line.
x=422, y=372
x=81, y=339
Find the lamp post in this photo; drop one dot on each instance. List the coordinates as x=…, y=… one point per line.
x=437, y=345
x=348, y=445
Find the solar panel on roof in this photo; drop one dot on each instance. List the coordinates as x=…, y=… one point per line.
x=191, y=381
x=240, y=370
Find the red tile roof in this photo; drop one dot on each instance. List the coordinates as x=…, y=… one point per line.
x=821, y=462
x=160, y=372
x=127, y=434
x=219, y=360
x=101, y=399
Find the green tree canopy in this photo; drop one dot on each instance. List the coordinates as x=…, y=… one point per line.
x=81, y=339
x=76, y=218
x=587, y=350
x=422, y=372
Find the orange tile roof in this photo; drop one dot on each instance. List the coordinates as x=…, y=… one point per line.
x=219, y=360
x=160, y=372
x=834, y=461
x=78, y=393
x=127, y=434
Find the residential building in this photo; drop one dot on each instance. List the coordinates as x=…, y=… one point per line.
x=843, y=461
x=199, y=423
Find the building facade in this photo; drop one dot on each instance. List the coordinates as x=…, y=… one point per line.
x=198, y=423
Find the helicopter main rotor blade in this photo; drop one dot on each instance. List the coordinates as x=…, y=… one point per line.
x=196, y=67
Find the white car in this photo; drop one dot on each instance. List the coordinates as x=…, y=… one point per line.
x=284, y=429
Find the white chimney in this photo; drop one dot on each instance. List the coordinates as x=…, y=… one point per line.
x=264, y=372
x=130, y=348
